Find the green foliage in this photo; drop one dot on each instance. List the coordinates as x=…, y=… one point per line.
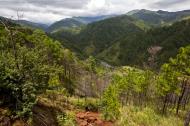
x=88, y=104
x=67, y=119
x=64, y=24
x=132, y=81
x=133, y=50
x=111, y=103
x=174, y=72
x=159, y=18
x=91, y=63
x=134, y=116
x=167, y=81
x=30, y=62
x=124, y=40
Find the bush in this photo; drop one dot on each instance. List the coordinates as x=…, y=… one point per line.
x=136, y=116
x=67, y=119
x=111, y=104
x=89, y=104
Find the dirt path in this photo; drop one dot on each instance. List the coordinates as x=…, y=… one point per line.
x=91, y=119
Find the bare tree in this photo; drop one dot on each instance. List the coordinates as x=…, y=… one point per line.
x=153, y=51
x=187, y=119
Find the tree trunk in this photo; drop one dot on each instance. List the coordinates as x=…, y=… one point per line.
x=165, y=104
x=187, y=119
x=181, y=97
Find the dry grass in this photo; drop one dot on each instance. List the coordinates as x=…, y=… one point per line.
x=134, y=116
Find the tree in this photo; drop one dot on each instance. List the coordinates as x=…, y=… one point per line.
x=29, y=62
x=174, y=76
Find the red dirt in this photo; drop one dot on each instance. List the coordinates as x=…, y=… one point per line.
x=91, y=119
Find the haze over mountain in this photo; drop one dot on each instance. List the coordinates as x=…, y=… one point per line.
x=124, y=40
x=75, y=22
x=94, y=63
x=49, y=11
x=160, y=17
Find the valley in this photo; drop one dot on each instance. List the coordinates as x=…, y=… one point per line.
x=131, y=69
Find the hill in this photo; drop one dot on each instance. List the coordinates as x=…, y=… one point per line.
x=158, y=18
x=75, y=22
x=25, y=23
x=125, y=40
x=32, y=25
x=97, y=36
x=133, y=50
x=42, y=83
x=64, y=24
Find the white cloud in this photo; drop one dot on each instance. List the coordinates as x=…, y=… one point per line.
x=96, y=4
x=49, y=11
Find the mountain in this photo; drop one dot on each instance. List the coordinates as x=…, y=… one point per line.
x=87, y=20
x=64, y=24
x=133, y=50
x=25, y=23
x=158, y=18
x=7, y=21
x=97, y=36
x=75, y=23
x=100, y=35
x=32, y=24
x=125, y=40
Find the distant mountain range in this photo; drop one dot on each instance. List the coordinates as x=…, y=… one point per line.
x=32, y=24
x=123, y=39
x=67, y=23
x=158, y=18
x=25, y=23
x=74, y=22
x=151, y=18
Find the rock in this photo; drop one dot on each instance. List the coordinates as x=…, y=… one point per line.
x=98, y=122
x=83, y=123
x=5, y=121
x=80, y=115
x=18, y=123
x=92, y=119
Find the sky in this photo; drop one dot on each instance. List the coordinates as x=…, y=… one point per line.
x=49, y=11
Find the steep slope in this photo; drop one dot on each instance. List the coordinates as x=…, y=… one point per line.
x=133, y=50
x=25, y=23
x=124, y=40
x=32, y=24
x=100, y=35
x=87, y=20
x=74, y=23
x=157, y=18
x=64, y=24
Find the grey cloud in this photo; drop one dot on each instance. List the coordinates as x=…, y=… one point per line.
x=72, y=4
x=53, y=10
x=168, y=3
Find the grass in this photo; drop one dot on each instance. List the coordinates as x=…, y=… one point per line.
x=130, y=115
x=67, y=119
x=91, y=104
x=135, y=116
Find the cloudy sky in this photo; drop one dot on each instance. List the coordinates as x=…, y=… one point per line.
x=48, y=11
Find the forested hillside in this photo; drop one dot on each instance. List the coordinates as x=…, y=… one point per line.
x=75, y=23
x=98, y=36
x=133, y=50
x=30, y=62
x=159, y=18
x=124, y=40
x=120, y=71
